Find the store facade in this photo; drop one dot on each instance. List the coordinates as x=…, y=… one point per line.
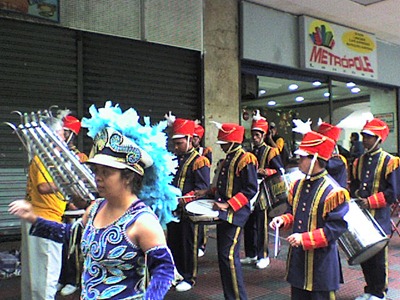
x=300, y=67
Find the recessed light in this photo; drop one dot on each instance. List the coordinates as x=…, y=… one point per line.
x=299, y=99
x=293, y=87
x=326, y=94
x=350, y=84
x=271, y=103
x=262, y=92
x=355, y=90
x=316, y=83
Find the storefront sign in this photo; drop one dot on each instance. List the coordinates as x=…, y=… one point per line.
x=388, y=118
x=45, y=9
x=332, y=48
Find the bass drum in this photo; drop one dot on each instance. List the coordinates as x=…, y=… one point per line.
x=364, y=237
x=200, y=211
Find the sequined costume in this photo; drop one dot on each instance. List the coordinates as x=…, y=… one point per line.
x=114, y=267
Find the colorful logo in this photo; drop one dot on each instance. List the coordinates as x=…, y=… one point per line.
x=321, y=34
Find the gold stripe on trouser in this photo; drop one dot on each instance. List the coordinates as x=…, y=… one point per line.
x=205, y=237
x=386, y=269
x=195, y=243
x=332, y=295
x=232, y=264
x=266, y=238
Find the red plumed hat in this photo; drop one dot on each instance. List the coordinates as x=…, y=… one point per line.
x=72, y=123
x=198, y=130
x=259, y=123
x=377, y=128
x=330, y=131
x=229, y=133
x=182, y=128
x=316, y=143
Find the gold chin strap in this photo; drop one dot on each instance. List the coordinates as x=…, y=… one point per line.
x=374, y=146
x=230, y=150
x=314, y=159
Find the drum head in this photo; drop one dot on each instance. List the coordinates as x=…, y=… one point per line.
x=202, y=207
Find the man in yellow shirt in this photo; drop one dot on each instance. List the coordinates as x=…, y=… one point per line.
x=41, y=258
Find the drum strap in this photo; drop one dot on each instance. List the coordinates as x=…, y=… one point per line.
x=231, y=173
x=184, y=169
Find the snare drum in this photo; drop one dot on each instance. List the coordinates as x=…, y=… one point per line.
x=200, y=211
x=364, y=237
x=276, y=191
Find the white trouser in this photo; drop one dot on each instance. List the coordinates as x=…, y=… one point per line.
x=40, y=266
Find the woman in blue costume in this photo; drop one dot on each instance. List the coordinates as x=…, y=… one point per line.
x=124, y=248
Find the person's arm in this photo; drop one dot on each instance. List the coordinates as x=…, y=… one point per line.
x=148, y=234
x=335, y=208
x=57, y=232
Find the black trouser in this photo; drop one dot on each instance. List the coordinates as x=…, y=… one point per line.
x=181, y=240
x=256, y=234
x=202, y=237
x=375, y=272
x=299, y=294
x=71, y=267
x=228, y=247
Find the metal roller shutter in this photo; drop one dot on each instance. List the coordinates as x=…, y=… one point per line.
x=37, y=70
x=149, y=77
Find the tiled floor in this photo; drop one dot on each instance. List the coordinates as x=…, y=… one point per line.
x=260, y=284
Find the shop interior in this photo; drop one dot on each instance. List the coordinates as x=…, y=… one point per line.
x=345, y=103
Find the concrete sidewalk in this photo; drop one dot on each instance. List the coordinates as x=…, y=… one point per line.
x=260, y=284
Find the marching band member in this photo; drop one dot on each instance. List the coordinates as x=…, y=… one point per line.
x=41, y=256
x=71, y=268
x=256, y=228
x=376, y=176
x=193, y=174
x=207, y=152
x=236, y=185
x=196, y=141
x=122, y=236
x=317, y=205
x=337, y=164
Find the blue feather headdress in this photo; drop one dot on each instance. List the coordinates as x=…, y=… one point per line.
x=157, y=191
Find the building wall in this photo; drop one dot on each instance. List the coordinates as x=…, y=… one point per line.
x=271, y=36
x=221, y=67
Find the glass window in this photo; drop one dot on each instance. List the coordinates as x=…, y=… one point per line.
x=347, y=104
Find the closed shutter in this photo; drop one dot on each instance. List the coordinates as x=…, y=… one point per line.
x=151, y=78
x=37, y=70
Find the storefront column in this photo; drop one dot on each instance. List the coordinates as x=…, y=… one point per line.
x=221, y=67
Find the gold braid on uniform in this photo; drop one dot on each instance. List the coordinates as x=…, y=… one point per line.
x=334, y=199
x=200, y=162
x=392, y=165
x=247, y=158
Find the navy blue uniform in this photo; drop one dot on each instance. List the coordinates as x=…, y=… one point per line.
x=256, y=228
x=316, y=210
x=376, y=176
x=337, y=168
x=236, y=185
x=193, y=174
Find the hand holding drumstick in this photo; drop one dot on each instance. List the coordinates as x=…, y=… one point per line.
x=294, y=239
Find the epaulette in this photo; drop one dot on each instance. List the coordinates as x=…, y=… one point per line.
x=245, y=159
x=392, y=165
x=200, y=162
x=335, y=198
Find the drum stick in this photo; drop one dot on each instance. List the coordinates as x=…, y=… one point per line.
x=277, y=242
x=185, y=197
